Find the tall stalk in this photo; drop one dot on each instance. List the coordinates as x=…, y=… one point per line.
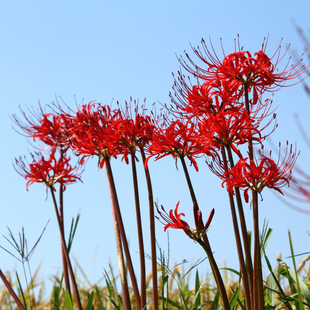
x=139, y=229
x=65, y=251
x=258, y=291
x=152, y=231
x=12, y=293
x=120, y=225
x=61, y=217
x=205, y=243
x=258, y=277
x=244, y=231
x=244, y=274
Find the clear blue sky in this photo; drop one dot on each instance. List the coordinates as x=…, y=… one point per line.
x=111, y=50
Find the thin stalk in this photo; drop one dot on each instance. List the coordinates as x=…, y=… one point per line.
x=218, y=278
x=205, y=244
x=258, y=277
x=139, y=229
x=9, y=287
x=63, y=243
x=121, y=263
x=244, y=231
x=244, y=274
x=152, y=232
x=61, y=217
x=64, y=262
x=116, y=208
x=258, y=300
x=188, y=180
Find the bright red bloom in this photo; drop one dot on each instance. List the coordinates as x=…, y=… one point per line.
x=94, y=130
x=49, y=171
x=257, y=174
x=179, y=140
x=173, y=220
x=240, y=67
x=137, y=129
x=46, y=127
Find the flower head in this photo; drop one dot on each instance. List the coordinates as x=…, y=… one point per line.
x=179, y=140
x=94, y=130
x=173, y=220
x=48, y=171
x=256, y=174
x=46, y=127
x=136, y=129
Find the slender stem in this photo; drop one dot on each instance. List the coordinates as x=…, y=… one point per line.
x=244, y=231
x=152, y=232
x=258, y=277
x=139, y=229
x=189, y=183
x=64, y=262
x=206, y=245
x=116, y=208
x=63, y=243
x=244, y=274
x=61, y=217
x=121, y=263
x=218, y=278
x=9, y=287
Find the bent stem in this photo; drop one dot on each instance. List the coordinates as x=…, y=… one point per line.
x=119, y=222
x=152, y=231
x=139, y=229
x=65, y=251
x=13, y=294
x=218, y=278
x=206, y=245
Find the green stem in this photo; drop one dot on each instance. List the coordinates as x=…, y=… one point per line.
x=152, y=231
x=65, y=250
x=119, y=222
x=139, y=229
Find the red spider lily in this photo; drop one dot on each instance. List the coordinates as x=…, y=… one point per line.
x=178, y=140
x=230, y=129
x=260, y=173
x=198, y=100
x=94, y=130
x=136, y=129
x=241, y=68
x=46, y=127
x=173, y=220
x=49, y=171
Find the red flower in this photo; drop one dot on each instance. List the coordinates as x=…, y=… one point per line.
x=241, y=68
x=179, y=140
x=94, y=130
x=49, y=171
x=173, y=220
x=46, y=127
x=136, y=129
x=260, y=173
